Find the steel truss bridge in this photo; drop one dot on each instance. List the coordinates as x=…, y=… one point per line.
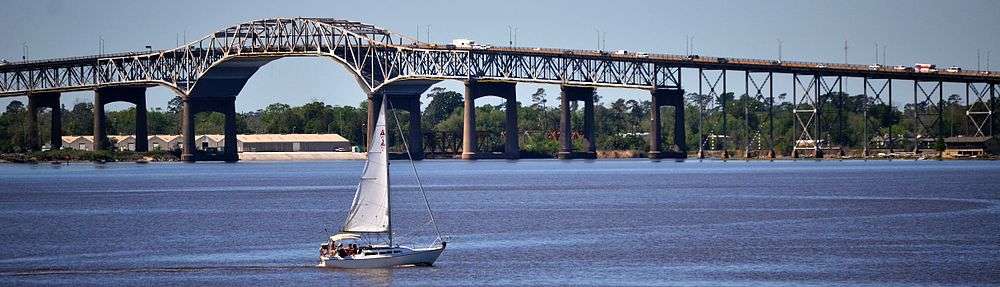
x=210, y=72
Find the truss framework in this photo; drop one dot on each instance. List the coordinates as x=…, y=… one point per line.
x=876, y=92
x=715, y=80
x=806, y=113
x=759, y=82
x=980, y=113
x=828, y=90
x=927, y=112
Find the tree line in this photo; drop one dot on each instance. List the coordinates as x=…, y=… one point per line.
x=621, y=124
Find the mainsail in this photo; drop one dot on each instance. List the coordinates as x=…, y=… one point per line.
x=370, y=210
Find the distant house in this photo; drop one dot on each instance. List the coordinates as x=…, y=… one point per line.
x=78, y=142
x=210, y=142
x=124, y=143
x=165, y=142
x=292, y=143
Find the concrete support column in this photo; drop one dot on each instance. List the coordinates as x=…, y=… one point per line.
x=32, y=133
x=660, y=98
x=469, y=124
x=228, y=107
x=187, y=130
x=511, y=148
x=100, y=121
x=680, y=138
x=374, y=104
x=35, y=103
x=134, y=95
x=655, y=146
x=141, y=124
x=585, y=94
x=588, y=128
x=416, y=144
x=56, y=126
x=565, y=127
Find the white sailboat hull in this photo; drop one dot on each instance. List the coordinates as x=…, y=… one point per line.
x=404, y=257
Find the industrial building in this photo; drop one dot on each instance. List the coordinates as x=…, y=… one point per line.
x=292, y=143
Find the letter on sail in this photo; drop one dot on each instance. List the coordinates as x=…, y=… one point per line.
x=370, y=210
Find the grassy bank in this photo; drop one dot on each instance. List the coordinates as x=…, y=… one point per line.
x=70, y=155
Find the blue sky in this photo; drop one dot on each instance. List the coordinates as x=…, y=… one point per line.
x=942, y=32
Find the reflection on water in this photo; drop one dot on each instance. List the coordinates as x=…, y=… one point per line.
x=364, y=277
x=630, y=222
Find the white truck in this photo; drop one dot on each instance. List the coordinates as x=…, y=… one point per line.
x=924, y=68
x=469, y=44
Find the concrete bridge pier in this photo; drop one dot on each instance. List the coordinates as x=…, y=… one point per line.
x=40, y=101
x=407, y=102
x=475, y=89
x=374, y=103
x=133, y=95
x=569, y=94
x=667, y=97
x=194, y=105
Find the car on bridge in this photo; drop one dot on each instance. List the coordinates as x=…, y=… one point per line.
x=953, y=69
x=874, y=67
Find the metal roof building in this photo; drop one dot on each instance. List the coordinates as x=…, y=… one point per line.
x=292, y=142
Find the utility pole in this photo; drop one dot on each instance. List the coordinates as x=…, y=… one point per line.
x=598, y=31
x=979, y=66
x=876, y=53
x=845, y=51
x=884, y=60
x=511, y=35
x=604, y=40
x=779, y=49
x=690, y=44
x=24, y=46
x=428, y=39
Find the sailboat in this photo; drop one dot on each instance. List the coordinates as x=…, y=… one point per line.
x=366, y=240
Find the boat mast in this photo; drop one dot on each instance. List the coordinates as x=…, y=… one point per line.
x=388, y=186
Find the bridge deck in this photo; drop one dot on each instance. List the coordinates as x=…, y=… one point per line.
x=693, y=61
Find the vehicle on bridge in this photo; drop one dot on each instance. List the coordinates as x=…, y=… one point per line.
x=469, y=44
x=874, y=67
x=953, y=69
x=925, y=68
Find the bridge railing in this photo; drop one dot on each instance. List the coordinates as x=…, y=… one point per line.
x=80, y=58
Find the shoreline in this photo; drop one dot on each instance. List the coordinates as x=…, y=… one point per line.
x=60, y=157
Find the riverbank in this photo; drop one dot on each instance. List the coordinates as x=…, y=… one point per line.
x=300, y=156
x=67, y=155
x=70, y=155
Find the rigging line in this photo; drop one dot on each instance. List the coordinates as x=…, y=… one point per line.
x=414, y=167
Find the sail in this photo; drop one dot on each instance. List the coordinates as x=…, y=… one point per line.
x=370, y=210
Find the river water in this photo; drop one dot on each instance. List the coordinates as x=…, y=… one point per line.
x=528, y=222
